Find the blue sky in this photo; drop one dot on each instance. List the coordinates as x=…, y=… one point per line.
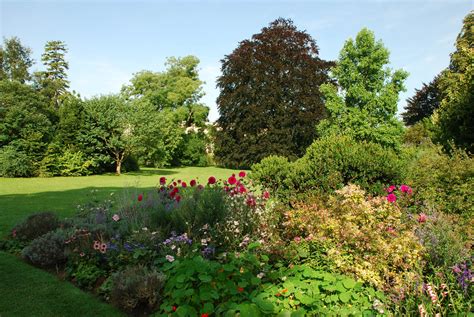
x=108, y=41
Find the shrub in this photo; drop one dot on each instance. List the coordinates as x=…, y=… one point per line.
x=15, y=163
x=47, y=250
x=444, y=239
x=443, y=182
x=64, y=162
x=85, y=274
x=364, y=237
x=36, y=225
x=136, y=287
x=329, y=164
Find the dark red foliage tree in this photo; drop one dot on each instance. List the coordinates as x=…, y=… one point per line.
x=422, y=105
x=269, y=100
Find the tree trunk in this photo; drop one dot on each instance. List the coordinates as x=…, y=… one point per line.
x=118, y=166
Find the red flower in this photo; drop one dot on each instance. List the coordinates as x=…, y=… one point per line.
x=174, y=308
x=175, y=190
x=204, y=315
x=162, y=180
x=175, y=184
x=391, y=198
x=211, y=180
x=242, y=189
x=184, y=184
x=192, y=183
x=232, y=180
x=240, y=289
x=422, y=218
x=178, y=198
x=140, y=197
x=242, y=174
x=179, y=181
x=266, y=195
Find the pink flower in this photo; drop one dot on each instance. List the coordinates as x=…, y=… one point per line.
x=192, y=183
x=422, y=218
x=266, y=195
x=232, y=180
x=391, y=198
x=162, y=180
x=242, y=174
x=103, y=248
x=211, y=180
x=115, y=217
x=14, y=233
x=406, y=189
x=82, y=254
x=96, y=245
x=390, y=189
x=170, y=258
x=242, y=189
x=184, y=185
x=297, y=239
x=391, y=230
x=140, y=197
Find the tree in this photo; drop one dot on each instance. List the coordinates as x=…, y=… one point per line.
x=455, y=117
x=364, y=103
x=173, y=96
x=53, y=81
x=25, y=126
x=269, y=96
x=422, y=105
x=15, y=60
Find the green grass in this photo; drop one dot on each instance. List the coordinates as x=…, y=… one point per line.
x=28, y=291
x=20, y=197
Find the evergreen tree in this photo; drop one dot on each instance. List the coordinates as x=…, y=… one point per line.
x=364, y=104
x=269, y=96
x=53, y=81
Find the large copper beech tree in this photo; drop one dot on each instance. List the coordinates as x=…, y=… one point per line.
x=269, y=98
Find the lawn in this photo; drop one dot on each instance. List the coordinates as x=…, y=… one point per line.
x=28, y=291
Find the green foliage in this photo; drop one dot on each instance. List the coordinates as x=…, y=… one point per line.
x=302, y=291
x=65, y=162
x=192, y=150
x=269, y=96
x=422, y=105
x=420, y=133
x=444, y=239
x=136, y=287
x=330, y=163
x=456, y=113
x=53, y=81
x=364, y=103
x=47, y=250
x=15, y=60
x=15, y=163
x=443, y=182
x=85, y=274
x=355, y=230
x=36, y=225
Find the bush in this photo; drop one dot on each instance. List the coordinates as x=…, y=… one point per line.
x=443, y=182
x=363, y=237
x=136, y=287
x=444, y=239
x=329, y=164
x=64, y=162
x=36, y=225
x=15, y=163
x=47, y=250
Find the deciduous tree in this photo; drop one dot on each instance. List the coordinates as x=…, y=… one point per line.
x=269, y=96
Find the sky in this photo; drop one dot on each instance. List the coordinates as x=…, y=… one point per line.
x=109, y=41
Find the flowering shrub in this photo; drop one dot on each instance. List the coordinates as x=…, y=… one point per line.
x=47, y=250
x=363, y=236
x=35, y=226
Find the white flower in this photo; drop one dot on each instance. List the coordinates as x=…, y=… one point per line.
x=115, y=217
x=203, y=241
x=173, y=247
x=260, y=275
x=145, y=229
x=170, y=258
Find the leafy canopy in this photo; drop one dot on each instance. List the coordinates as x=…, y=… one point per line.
x=269, y=96
x=364, y=103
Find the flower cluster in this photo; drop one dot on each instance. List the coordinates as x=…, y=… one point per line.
x=464, y=275
x=392, y=197
x=100, y=246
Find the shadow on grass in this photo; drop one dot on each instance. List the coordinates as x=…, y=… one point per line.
x=14, y=208
x=152, y=172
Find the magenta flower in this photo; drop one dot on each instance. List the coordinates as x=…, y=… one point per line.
x=406, y=189
x=391, y=198
x=232, y=180
x=390, y=189
x=266, y=195
x=242, y=174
